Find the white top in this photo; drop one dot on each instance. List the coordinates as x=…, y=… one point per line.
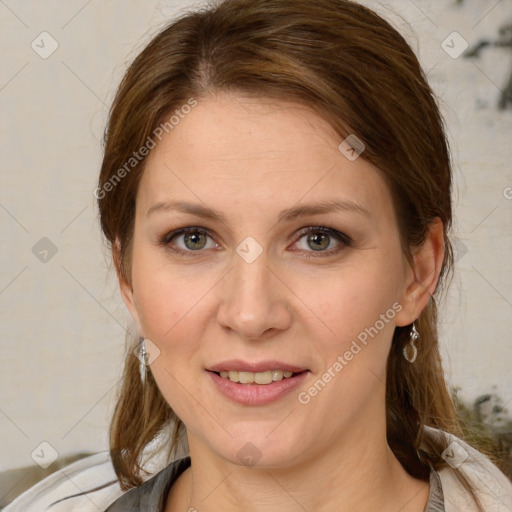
x=490, y=485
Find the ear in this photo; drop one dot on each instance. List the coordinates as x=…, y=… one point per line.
x=125, y=285
x=421, y=280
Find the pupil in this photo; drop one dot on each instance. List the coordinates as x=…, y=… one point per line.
x=316, y=239
x=195, y=240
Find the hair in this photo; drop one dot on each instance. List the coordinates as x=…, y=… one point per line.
x=353, y=69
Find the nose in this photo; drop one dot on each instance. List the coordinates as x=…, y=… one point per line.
x=254, y=301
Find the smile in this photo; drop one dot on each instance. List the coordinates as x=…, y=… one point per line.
x=253, y=393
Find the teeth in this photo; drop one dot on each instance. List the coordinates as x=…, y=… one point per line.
x=245, y=377
x=259, y=378
x=277, y=374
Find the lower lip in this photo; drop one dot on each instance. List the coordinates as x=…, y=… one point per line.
x=257, y=394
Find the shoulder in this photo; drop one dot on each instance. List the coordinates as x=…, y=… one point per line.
x=58, y=492
x=491, y=486
x=151, y=494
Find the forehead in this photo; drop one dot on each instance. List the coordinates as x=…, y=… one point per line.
x=237, y=153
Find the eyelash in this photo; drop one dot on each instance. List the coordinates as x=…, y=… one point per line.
x=345, y=240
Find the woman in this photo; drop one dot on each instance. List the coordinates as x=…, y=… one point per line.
x=276, y=194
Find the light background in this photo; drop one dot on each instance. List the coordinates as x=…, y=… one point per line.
x=62, y=323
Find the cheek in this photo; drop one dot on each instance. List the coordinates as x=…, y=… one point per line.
x=168, y=308
x=172, y=306
x=171, y=301
x=357, y=314
x=159, y=298
x=345, y=303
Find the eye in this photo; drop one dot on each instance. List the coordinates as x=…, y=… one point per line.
x=193, y=239
x=318, y=239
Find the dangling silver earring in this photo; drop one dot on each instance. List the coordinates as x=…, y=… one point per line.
x=143, y=358
x=413, y=336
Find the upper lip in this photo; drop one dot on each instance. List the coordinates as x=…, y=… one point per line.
x=262, y=366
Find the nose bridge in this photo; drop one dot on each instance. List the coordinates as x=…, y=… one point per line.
x=250, y=272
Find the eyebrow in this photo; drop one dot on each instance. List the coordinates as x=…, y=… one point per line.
x=289, y=214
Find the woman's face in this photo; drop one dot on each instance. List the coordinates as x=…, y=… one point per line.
x=255, y=288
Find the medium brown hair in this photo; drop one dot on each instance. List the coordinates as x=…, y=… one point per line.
x=356, y=71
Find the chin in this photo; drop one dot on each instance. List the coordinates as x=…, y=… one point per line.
x=256, y=448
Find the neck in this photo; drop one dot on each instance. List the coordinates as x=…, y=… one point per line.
x=356, y=476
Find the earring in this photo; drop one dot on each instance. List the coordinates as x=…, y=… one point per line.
x=413, y=336
x=143, y=358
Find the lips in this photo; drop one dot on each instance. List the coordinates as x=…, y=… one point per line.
x=251, y=384
x=256, y=394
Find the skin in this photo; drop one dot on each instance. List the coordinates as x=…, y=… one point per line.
x=250, y=159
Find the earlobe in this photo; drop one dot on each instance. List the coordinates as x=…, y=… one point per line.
x=422, y=278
